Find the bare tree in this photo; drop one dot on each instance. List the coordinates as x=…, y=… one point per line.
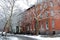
x=7, y=6
x=36, y=17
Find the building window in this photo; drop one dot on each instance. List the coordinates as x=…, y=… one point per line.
x=40, y=8
x=51, y=4
x=46, y=13
x=28, y=28
x=40, y=16
x=46, y=25
x=52, y=13
x=41, y=26
x=52, y=23
x=59, y=11
x=45, y=5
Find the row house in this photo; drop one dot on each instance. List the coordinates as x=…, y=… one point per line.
x=50, y=17
x=30, y=14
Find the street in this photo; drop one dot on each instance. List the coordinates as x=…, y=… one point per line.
x=29, y=37
x=16, y=37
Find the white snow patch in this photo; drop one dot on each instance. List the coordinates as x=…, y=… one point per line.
x=42, y=38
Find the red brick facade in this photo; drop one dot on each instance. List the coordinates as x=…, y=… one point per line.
x=51, y=15
x=48, y=15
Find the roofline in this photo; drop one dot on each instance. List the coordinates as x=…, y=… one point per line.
x=30, y=8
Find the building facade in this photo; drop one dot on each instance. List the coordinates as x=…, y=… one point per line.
x=49, y=18
x=29, y=20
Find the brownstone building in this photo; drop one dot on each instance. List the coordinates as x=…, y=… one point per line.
x=49, y=18
x=29, y=20
x=48, y=15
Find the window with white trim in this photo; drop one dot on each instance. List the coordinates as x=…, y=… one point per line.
x=28, y=28
x=51, y=4
x=40, y=16
x=46, y=13
x=52, y=13
x=47, y=25
x=41, y=26
x=52, y=23
x=45, y=5
x=40, y=8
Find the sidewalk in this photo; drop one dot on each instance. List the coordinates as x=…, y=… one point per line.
x=39, y=37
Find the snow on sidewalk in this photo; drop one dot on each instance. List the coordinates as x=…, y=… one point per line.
x=42, y=38
x=39, y=37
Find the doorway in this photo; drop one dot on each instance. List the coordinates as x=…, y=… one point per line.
x=53, y=32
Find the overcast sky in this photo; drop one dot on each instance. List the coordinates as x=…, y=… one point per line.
x=24, y=5
x=21, y=4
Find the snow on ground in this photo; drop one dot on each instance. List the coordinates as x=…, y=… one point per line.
x=39, y=37
x=42, y=38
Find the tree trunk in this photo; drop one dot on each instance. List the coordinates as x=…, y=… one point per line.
x=36, y=27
